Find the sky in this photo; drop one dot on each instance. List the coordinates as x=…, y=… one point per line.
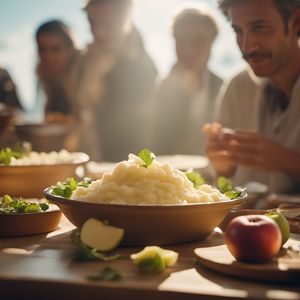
x=20, y=18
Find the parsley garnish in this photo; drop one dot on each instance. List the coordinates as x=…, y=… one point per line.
x=224, y=184
x=147, y=157
x=195, y=178
x=66, y=188
x=10, y=205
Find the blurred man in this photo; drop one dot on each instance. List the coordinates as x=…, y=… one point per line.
x=116, y=79
x=261, y=104
x=185, y=98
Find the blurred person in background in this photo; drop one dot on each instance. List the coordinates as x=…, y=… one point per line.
x=57, y=58
x=185, y=99
x=261, y=105
x=116, y=78
x=8, y=91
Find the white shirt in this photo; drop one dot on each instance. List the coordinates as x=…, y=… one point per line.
x=242, y=105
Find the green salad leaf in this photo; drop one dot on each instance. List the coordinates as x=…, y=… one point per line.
x=66, y=188
x=147, y=157
x=85, y=253
x=10, y=205
x=195, y=178
x=107, y=274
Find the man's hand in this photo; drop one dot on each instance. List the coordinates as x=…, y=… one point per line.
x=227, y=148
x=258, y=152
x=216, y=150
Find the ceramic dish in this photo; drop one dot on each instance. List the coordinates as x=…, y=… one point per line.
x=30, y=181
x=21, y=224
x=150, y=224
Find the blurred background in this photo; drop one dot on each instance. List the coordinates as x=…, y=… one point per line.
x=19, y=20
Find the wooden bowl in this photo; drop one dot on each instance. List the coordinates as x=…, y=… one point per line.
x=30, y=181
x=21, y=224
x=150, y=224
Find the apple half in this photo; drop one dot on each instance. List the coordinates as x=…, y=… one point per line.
x=100, y=236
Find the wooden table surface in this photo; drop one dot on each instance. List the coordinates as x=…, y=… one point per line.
x=42, y=267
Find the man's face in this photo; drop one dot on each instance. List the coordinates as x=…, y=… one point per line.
x=261, y=35
x=54, y=52
x=193, y=44
x=108, y=26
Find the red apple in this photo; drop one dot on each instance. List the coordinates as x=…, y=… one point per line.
x=253, y=238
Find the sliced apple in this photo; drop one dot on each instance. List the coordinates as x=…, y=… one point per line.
x=153, y=259
x=96, y=234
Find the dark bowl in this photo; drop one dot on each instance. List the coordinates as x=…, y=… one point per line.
x=44, y=137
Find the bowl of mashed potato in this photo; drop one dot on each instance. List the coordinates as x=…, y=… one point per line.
x=154, y=204
x=27, y=174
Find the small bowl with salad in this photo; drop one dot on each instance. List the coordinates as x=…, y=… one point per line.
x=26, y=173
x=20, y=217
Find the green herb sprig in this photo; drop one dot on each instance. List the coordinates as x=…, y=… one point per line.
x=147, y=157
x=66, y=188
x=195, y=178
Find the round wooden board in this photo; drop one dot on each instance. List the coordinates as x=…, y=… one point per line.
x=284, y=268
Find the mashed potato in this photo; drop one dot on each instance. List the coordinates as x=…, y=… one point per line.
x=42, y=158
x=131, y=183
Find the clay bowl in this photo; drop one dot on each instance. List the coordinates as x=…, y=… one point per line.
x=21, y=224
x=30, y=181
x=150, y=224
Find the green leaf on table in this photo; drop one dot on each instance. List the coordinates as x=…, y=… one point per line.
x=195, y=178
x=107, y=274
x=147, y=157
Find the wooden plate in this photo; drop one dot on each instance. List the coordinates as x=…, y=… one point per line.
x=23, y=224
x=284, y=268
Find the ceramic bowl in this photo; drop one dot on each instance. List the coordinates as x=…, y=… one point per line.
x=150, y=224
x=30, y=181
x=21, y=224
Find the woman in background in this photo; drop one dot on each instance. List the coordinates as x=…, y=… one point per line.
x=57, y=56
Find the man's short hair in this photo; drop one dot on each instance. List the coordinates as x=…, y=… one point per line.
x=195, y=15
x=285, y=7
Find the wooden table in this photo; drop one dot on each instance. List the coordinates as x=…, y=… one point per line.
x=41, y=267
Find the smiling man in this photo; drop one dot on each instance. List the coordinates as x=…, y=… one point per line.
x=261, y=104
